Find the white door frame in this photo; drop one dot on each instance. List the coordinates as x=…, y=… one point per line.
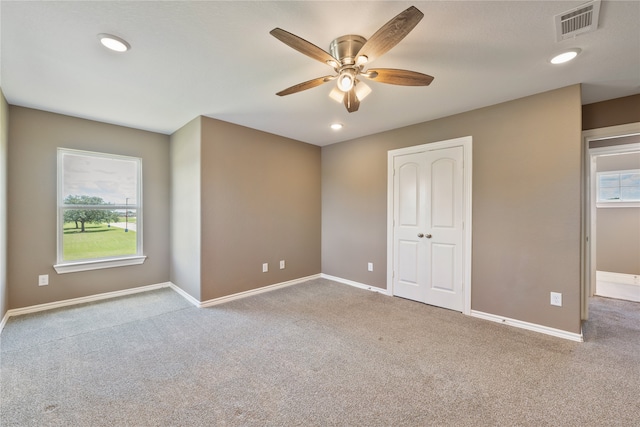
x=589, y=208
x=466, y=143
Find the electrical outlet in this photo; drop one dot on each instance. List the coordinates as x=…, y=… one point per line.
x=281, y=264
x=370, y=266
x=556, y=299
x=265, y=267
x=43, y=280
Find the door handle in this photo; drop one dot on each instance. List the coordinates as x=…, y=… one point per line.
x=420, y=235
x=428, y=236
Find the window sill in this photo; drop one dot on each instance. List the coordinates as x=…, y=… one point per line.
x=618, y=204
x=73, y=267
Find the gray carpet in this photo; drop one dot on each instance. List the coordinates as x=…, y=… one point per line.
x=314, y=354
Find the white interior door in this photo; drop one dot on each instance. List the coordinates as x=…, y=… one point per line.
x=428, y=230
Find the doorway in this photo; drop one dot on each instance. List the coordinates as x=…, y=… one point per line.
x=429, y=223
x=605, y=144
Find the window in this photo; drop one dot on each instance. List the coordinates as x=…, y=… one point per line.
x=619, y=188
x=99, y=211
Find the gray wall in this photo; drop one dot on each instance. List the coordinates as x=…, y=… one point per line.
x=4, y=136
x=618, y=229
x=185, y=208
x=260, y=203
x=526, y=204
x=33, y=139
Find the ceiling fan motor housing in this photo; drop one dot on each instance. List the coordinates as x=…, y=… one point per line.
x=346, y=48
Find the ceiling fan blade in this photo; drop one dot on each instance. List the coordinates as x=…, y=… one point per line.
x=351, y=100
x=305, y=85
x=303, y=46
x=398, y=77
x=391, y=33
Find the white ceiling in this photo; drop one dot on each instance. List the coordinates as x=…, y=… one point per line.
x=217, y=58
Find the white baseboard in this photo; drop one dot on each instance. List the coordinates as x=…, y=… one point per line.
x=618, y=285
x=221, y=300
x=4, y=321
x=529, y=326
x=356, y=284
x=81, y=300
x=115, y=294
x=184, y=295
x=494, y=318
x=486, y=316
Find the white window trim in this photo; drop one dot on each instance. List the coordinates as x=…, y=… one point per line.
x=73, y=266
x=614, y=203
x=62, y=266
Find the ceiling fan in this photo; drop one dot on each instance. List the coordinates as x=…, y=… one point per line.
x=349, y=56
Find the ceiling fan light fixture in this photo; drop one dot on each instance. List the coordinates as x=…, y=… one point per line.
x=565, y=56
x=336, y=94
x=362, y=90
x=114, y=43
x=346, y=80
x=362, y=59
x=333, y=64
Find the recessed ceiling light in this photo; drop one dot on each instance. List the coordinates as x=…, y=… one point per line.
x=337, y=126
x=565, y=56
x=114, y=43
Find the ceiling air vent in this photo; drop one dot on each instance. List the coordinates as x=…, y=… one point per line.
x=580, y=20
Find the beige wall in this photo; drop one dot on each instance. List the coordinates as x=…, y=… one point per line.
x=613, y=112
x=260, y=203
x=33, y=139
x=4, y=135
x=618, y=229
x=185, y=227
x=526, y=205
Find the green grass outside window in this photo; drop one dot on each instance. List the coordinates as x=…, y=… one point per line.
x=98, y=241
